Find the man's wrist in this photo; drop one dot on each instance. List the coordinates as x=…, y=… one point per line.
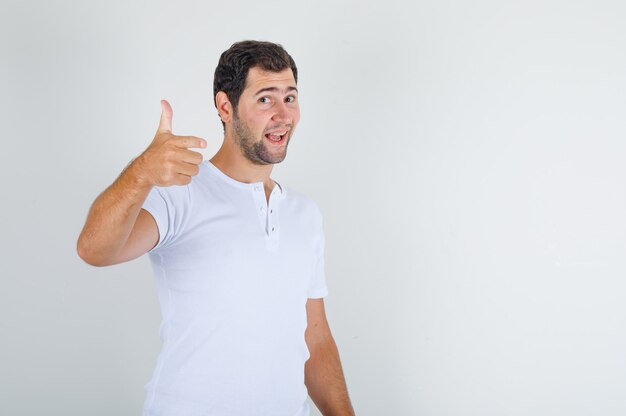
x=133, y=174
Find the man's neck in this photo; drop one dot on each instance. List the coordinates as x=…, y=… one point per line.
x=233, y=163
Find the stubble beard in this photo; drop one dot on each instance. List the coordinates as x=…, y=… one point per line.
x=255, y=151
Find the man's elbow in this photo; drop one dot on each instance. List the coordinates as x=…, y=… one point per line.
x=89, y=256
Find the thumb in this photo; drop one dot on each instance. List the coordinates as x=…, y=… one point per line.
x=165, y=124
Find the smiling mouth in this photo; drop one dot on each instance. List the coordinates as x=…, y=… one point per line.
x=277, y=137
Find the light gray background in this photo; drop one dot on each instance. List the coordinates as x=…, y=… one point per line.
x=468, y=158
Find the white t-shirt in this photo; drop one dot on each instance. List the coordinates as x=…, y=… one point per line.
x=233, y=274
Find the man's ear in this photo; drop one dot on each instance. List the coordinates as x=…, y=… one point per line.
x=224, y=107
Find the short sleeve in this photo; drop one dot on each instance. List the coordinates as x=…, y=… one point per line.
x=317, y=286
x=169, y=207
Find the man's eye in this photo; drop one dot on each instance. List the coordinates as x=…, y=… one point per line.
x=264, y=100
x=290, y=99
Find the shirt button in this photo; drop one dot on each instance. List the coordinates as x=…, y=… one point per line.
x=271, y=211
x=257, y=188
x=262, y=209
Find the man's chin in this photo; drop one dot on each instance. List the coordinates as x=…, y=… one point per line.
x=262, y=160
x=264, y=156
x=274, y=161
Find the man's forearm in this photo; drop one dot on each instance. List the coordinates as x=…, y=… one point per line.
x=111, y=217
x=325, y=380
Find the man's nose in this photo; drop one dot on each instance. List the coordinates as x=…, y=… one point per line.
x=282, y=114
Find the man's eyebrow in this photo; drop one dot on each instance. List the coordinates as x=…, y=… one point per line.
x=275, y=89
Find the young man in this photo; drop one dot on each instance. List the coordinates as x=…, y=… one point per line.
x=237, y=257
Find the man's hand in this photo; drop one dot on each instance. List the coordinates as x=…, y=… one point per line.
x=168, y=160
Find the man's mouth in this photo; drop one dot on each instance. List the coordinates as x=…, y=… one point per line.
x=277, y=136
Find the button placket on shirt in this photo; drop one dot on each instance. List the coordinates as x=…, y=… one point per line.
x=268, y=214
x=272, y=219
x=272, y=225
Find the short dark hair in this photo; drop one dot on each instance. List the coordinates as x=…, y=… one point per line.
x=234, y=64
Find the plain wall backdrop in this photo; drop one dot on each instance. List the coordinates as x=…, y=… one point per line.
x=468, y=157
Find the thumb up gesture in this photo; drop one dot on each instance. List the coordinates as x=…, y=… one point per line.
x=168, y=161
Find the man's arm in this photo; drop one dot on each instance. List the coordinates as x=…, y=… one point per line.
x=323, y=375
x=117, y=229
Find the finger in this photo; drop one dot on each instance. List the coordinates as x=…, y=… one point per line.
x=190, y=156
x=186, y=142
x=182, y=179
x=187, y=169
x=165, y=124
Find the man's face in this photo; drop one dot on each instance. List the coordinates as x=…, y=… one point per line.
x=266, y=116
